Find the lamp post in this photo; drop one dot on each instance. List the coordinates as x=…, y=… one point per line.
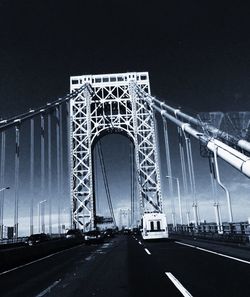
x=39, y=211
x=1, y=211
x=179, y=196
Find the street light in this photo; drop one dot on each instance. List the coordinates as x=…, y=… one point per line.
x=38, y=209
x=179, y=195
x=1, y=211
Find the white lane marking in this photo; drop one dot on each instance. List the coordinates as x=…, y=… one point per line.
x=139, y=242
x=89, y=258
x=212, y=252
x=38, y=260
x=105, y=246
x=48, y=289
x=147, y=251
x=98, y=251
x=178, y=285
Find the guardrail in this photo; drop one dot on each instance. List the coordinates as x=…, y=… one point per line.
x=225, y=237
x=237, y=232
x=13, y=240
x=18, y=240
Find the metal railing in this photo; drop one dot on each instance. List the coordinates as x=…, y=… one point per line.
x=232, y=232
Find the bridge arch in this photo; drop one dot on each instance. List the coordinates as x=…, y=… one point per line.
x=105, y=131
x=113, y=173
x=112, y=106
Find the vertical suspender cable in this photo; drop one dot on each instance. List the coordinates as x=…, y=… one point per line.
x=229, y=205
x=17, y=156
x=192, y=178
x=158, y=162
x=169, y=169
x=132, y=183
x=32, y=151
x=61, y=152
x=58, y=169
x=214, y=192
x=106, y=182
x=168, y=159
x=69, y=154
x=2, y=180
x=49, y=173
x=96, y=181
x=42, y=168
x=183, y=170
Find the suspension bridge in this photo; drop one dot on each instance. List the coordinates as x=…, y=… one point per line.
x=50, y=153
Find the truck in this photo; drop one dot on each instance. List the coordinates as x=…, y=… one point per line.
x=154, y=226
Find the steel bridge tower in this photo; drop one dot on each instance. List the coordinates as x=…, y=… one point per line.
x=112, y=105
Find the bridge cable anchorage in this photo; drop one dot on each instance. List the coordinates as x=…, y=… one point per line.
x=232, y=156
x=12, y=122
x=105, y=179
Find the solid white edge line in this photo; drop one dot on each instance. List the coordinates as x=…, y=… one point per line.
x=48, y=289
x=178, y=285
x=38, y=260
x=147, y=251
x=215, y=253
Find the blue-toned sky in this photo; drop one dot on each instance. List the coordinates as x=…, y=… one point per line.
x=197, y=55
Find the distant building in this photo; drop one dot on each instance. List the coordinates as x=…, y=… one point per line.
x=124, y=218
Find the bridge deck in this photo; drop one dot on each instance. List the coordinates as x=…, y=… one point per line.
x=126, y=266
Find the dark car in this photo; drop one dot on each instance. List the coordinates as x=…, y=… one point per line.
x=93, y=236
x=126, y=231
x=74, y=233
x=109, y=233
x=136, y=231
x=37, y=238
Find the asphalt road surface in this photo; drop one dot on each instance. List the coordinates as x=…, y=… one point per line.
x=127, y=266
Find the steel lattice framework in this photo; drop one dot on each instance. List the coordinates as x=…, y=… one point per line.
x=113, y=105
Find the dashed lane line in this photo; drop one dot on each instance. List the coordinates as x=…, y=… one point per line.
x=48, y=289
x=178, y=285
x=212, y=252
x=147, y=251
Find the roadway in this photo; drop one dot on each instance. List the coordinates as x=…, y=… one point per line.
x=126, y=266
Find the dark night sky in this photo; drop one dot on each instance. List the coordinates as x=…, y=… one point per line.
x=196, y=52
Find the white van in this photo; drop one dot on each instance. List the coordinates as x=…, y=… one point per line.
x=154, y=226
